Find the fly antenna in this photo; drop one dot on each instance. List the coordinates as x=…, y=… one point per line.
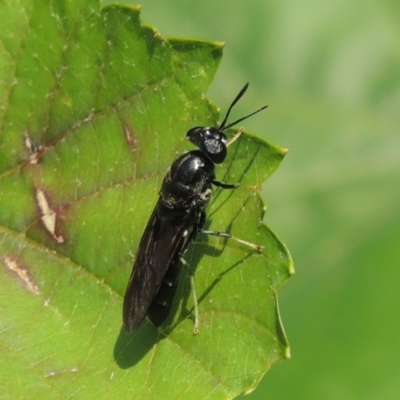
x=224, y=127
x=241, y=119
x=237, y=98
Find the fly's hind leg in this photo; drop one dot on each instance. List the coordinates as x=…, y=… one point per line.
x=185, y=246
x=195, y=301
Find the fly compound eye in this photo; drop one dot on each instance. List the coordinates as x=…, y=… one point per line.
x=209, y=140
x=214, y=134
x=214, y=148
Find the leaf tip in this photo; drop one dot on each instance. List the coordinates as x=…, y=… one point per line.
x=283, y=151
x=291, y=269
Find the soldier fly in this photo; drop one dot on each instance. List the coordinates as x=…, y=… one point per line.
x=178, y=217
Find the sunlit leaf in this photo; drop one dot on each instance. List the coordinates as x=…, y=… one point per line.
x=94, y=108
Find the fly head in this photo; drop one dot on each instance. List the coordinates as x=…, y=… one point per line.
x=211, y=141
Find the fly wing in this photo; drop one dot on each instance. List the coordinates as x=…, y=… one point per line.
x=159, y=247
x=160, y=308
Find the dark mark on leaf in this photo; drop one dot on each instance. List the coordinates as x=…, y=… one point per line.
x=48, y=216
x=22, y=272
x=33, y=149
x=130, y=137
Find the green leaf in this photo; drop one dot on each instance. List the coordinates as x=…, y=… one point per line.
x=94, y=108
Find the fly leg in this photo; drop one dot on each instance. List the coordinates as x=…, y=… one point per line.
x=195, y=301
x=185, y=246
x=199, y=228
x=224, y=185
x=254, y=246
x=235, y=185
x=226, y=234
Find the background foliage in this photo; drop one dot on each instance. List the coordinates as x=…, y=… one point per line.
x=330, y=72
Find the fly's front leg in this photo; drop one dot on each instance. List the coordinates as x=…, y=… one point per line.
x=235, y=185
x=224, y=185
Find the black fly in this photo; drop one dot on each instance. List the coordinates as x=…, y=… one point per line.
x=178, y=217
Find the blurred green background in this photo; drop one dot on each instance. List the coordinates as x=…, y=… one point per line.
x=330, y=72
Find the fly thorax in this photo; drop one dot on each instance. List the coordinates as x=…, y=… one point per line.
x=204, y=197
